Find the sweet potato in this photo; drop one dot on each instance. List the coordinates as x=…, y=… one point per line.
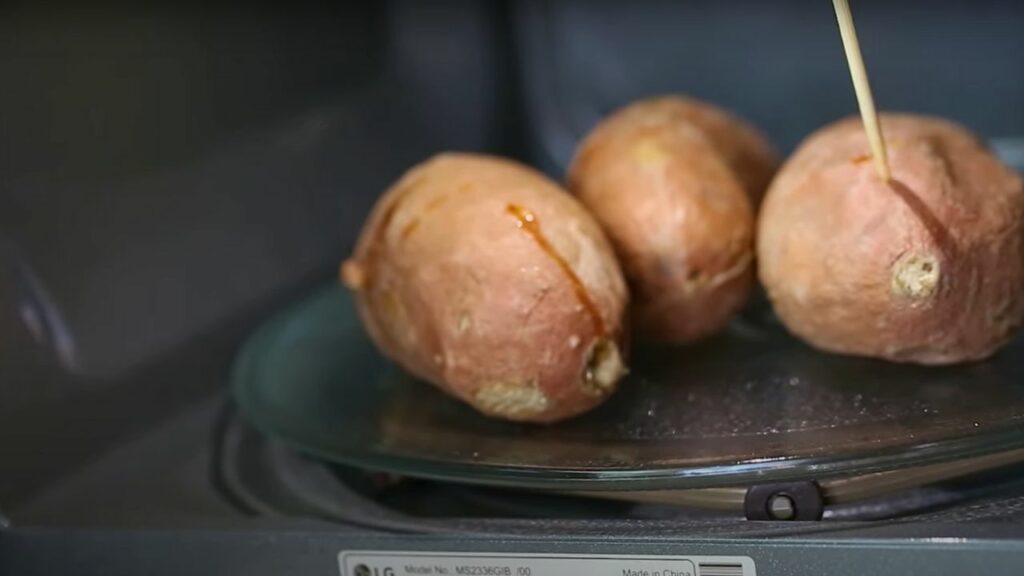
x=674, y=182
x=487, y=279
x=925, y=268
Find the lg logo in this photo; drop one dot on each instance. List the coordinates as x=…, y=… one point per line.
x=364, y=570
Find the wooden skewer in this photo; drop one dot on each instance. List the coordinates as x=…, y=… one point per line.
x=862, y=87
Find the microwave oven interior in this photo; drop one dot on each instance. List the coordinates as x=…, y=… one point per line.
x=172, y=175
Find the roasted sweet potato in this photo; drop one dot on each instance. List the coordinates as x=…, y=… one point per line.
x=925, y=268
x=487, y=279
x=674, y=182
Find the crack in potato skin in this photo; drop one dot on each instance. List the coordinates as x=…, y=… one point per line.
x=528, y=223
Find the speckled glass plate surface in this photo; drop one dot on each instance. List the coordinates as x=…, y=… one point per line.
x=753, y=405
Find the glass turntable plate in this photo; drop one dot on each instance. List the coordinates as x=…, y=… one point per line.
x=753, y=405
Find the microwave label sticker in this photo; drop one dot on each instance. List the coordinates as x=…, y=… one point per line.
x=392, y=563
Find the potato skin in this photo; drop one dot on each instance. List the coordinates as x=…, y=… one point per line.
x=674, y=183
x=485, y=278
x=927, y=268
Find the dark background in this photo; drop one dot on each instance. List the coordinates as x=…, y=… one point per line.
x=170, y=174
